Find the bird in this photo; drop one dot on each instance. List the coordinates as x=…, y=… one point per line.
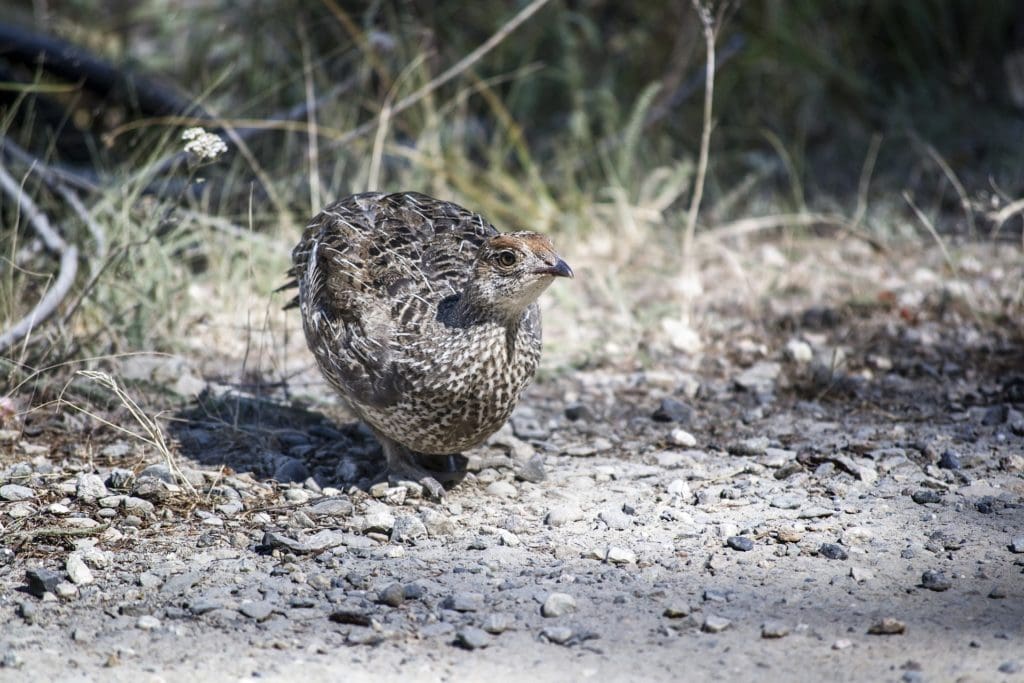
x=424, y=318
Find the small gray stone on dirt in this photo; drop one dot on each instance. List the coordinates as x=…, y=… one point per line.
x=563, y=514
x=935, y=581
x=472, y=638
x=502, y=489
x=258, y=610
x=774, y=629
x=672, y=410
x=557, y=634
x=16, y=492
x=558, y=604
x=147, y=622
x=393, y=595
x=1017, y=544
x=741, y=543
x=498, y=622
x=887, y=627
x=532, y=470
x=676, y=610
x=41, y=581
x=89, y=487
x=464, y=601
x=832, y=551
x=950, y=460
x=1011, y=666
x=714, y=624
x=755, y=445
x=407, y=528
x=77, y=570
x=925, y=496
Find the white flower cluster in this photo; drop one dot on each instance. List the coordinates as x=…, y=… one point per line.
x=203, y=145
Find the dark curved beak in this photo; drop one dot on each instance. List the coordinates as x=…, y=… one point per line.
x=559, y=269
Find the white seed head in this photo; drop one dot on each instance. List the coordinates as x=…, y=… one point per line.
x=202, y=144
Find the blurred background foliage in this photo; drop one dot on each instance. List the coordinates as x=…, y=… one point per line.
x=585, y=119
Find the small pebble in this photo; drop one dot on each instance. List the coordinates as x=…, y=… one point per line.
x=741, y=543
x=681, y=437
x=502, y=489
x=558, y=604
x=1010, y=667
x=925, y=496
x=949, y=460
x=715, y=624
x=618, y=555
x=392, y=596
x=935, y=581
x=672, y=410
x=842, y=644
x=677, y=610
x=464, y=602
x=472, y=638
x=147, y=622
x=41, y=581
x=887, y=627
x=774, y=629
x=833, y=551
x=77, y=570
x=498, y=622
x=16, y=492
x=1017, y=544
x=258, y=610
x=557, y=634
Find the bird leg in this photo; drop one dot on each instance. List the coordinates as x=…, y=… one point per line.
x=426, y=469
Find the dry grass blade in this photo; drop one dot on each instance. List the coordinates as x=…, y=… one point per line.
x=152, y=433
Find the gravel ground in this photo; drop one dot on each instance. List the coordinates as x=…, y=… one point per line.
x=822, y=493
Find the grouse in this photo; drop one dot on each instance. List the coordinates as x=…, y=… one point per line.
x=424, y=318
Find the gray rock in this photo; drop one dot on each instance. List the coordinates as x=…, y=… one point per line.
x=147, y=622
x=180, y=584
x=77, y=570
x=935, y=581
x=407, y=528
x=755, y=445
x=557, y=634
x=925, y=496
x=1011, y=666
x=498, y=622
x=41, y=581
x=563, y=514
x=617, y=555
x=832, y=551
x=204, y=605
x=16, y=492
x=331, y=507
x=616, y=519
x=759, y=378
x=787, y=501
x=464, y=601
x=502, y=489
x=378, y=518
x=558, y=604
x=741, y=543
x=258, y=610
x=672, y=410
x=532, y=470
x=1017, y=544
x=89, y=487
x=472, y=638
x=393, y=595
x=135, y=505
x=950, y=460
x=714, y=624
x=774, y=629
x=324, y=540
x=677, y=610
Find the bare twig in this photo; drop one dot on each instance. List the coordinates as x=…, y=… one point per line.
x=930, y=227
x=865, y=180
x=68, y=254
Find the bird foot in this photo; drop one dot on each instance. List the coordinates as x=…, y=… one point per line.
x=429, y=471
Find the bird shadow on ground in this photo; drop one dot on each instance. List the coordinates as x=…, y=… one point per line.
x=276, y=440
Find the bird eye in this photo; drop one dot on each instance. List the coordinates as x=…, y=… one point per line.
x=506, y=258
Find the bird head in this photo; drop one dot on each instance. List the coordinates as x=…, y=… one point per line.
x=512, y=269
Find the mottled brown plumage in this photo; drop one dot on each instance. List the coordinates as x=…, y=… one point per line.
x=424, y=318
